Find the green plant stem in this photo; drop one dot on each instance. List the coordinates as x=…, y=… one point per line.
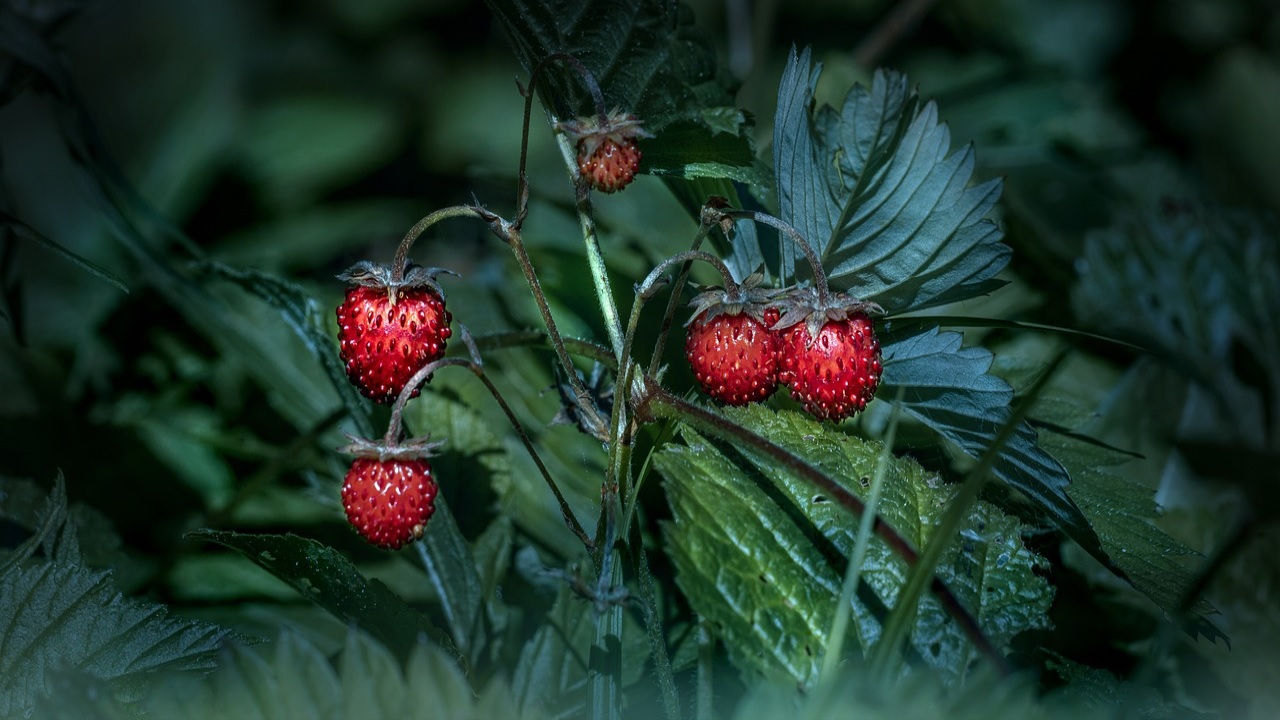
x=591, y=240
x=840, y=622
x=604, y=685
x=706, y=666
x=653, y=625
x=586, y=407
x=401, y=260
x=897, y=628
x=659, y=403
x=536, y=338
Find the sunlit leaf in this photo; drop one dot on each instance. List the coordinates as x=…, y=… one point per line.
x=749, y=565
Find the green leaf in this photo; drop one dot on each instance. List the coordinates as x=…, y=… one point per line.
x=301, y=312
x=949, y=389
x=745, y=554
x=326, y=577
x=57, y=614
x=871, y=186
x=26, y=232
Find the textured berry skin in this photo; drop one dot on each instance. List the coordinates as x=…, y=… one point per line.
x=382, y=345
x=611, y=165
x=734, y=357
x=836, y=374
x=389, y=501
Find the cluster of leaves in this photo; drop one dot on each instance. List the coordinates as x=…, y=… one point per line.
x=733, y=561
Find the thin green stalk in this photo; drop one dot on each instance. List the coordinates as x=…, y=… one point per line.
x=595, y=259
x=706, y=665
x=657, y=642
x=897, y=628
x=660, y=346
x=604, y=687
x=840, y=623
x=401, y=260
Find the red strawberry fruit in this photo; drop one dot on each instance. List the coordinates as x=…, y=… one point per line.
x=830, y=356
x=389, y=329
x=389, y=493
x=389, y=502
x=608, y=155
x=731, y=346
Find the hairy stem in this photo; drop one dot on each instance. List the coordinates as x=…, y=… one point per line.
x=819, y=275
x=401, y=261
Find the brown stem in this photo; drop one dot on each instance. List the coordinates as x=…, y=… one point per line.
x=401, y=261
x=904, y=15
x=819, y=275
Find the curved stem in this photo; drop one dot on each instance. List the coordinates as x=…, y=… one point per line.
x=590, y=415
x=529, y=338
x=476, y=366
x=646, y=287
x=661, y=345
x=819, y=275
x=591, y=240
x=401, y=261
x=659, y=403
x=587, y=79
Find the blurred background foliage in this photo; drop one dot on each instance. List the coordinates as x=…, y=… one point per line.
x=153, y=137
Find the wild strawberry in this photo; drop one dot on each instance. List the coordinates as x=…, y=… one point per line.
x=730, y=344
x=389, y=329
x=389, y=493
x=830, y=355
x=608, y=155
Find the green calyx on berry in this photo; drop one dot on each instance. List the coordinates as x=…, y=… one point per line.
x=389, y=492
x=830, y=354
x=390, y=327
x=608, y=153
x=731, y=347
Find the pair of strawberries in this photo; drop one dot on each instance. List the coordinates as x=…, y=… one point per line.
x=743, y=342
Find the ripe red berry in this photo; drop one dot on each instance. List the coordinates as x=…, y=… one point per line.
x=835, y=374
x=734, y=357
x=389, y=501
x=608, y=155
x=388, y=331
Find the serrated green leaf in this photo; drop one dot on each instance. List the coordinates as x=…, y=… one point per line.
x=949, y=389
x=326, y=577
x=872, y=187
x=55, y=613
x=301, y=312
x=987, y=567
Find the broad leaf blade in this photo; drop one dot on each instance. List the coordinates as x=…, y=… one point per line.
x=327, y=578
x=743, y=535
x=877, y=192
x=948, y=388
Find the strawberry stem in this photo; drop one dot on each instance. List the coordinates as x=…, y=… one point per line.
x=401, y=261
x=704, y=226
x=476, y=365
x=819, y=275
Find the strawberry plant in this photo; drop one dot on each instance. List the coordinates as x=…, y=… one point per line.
x=700, y=372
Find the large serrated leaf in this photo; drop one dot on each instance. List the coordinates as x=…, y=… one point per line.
x=948, y=387
x=734, y=526
x=327, y=578
x=55, y=613
x=872, y=187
